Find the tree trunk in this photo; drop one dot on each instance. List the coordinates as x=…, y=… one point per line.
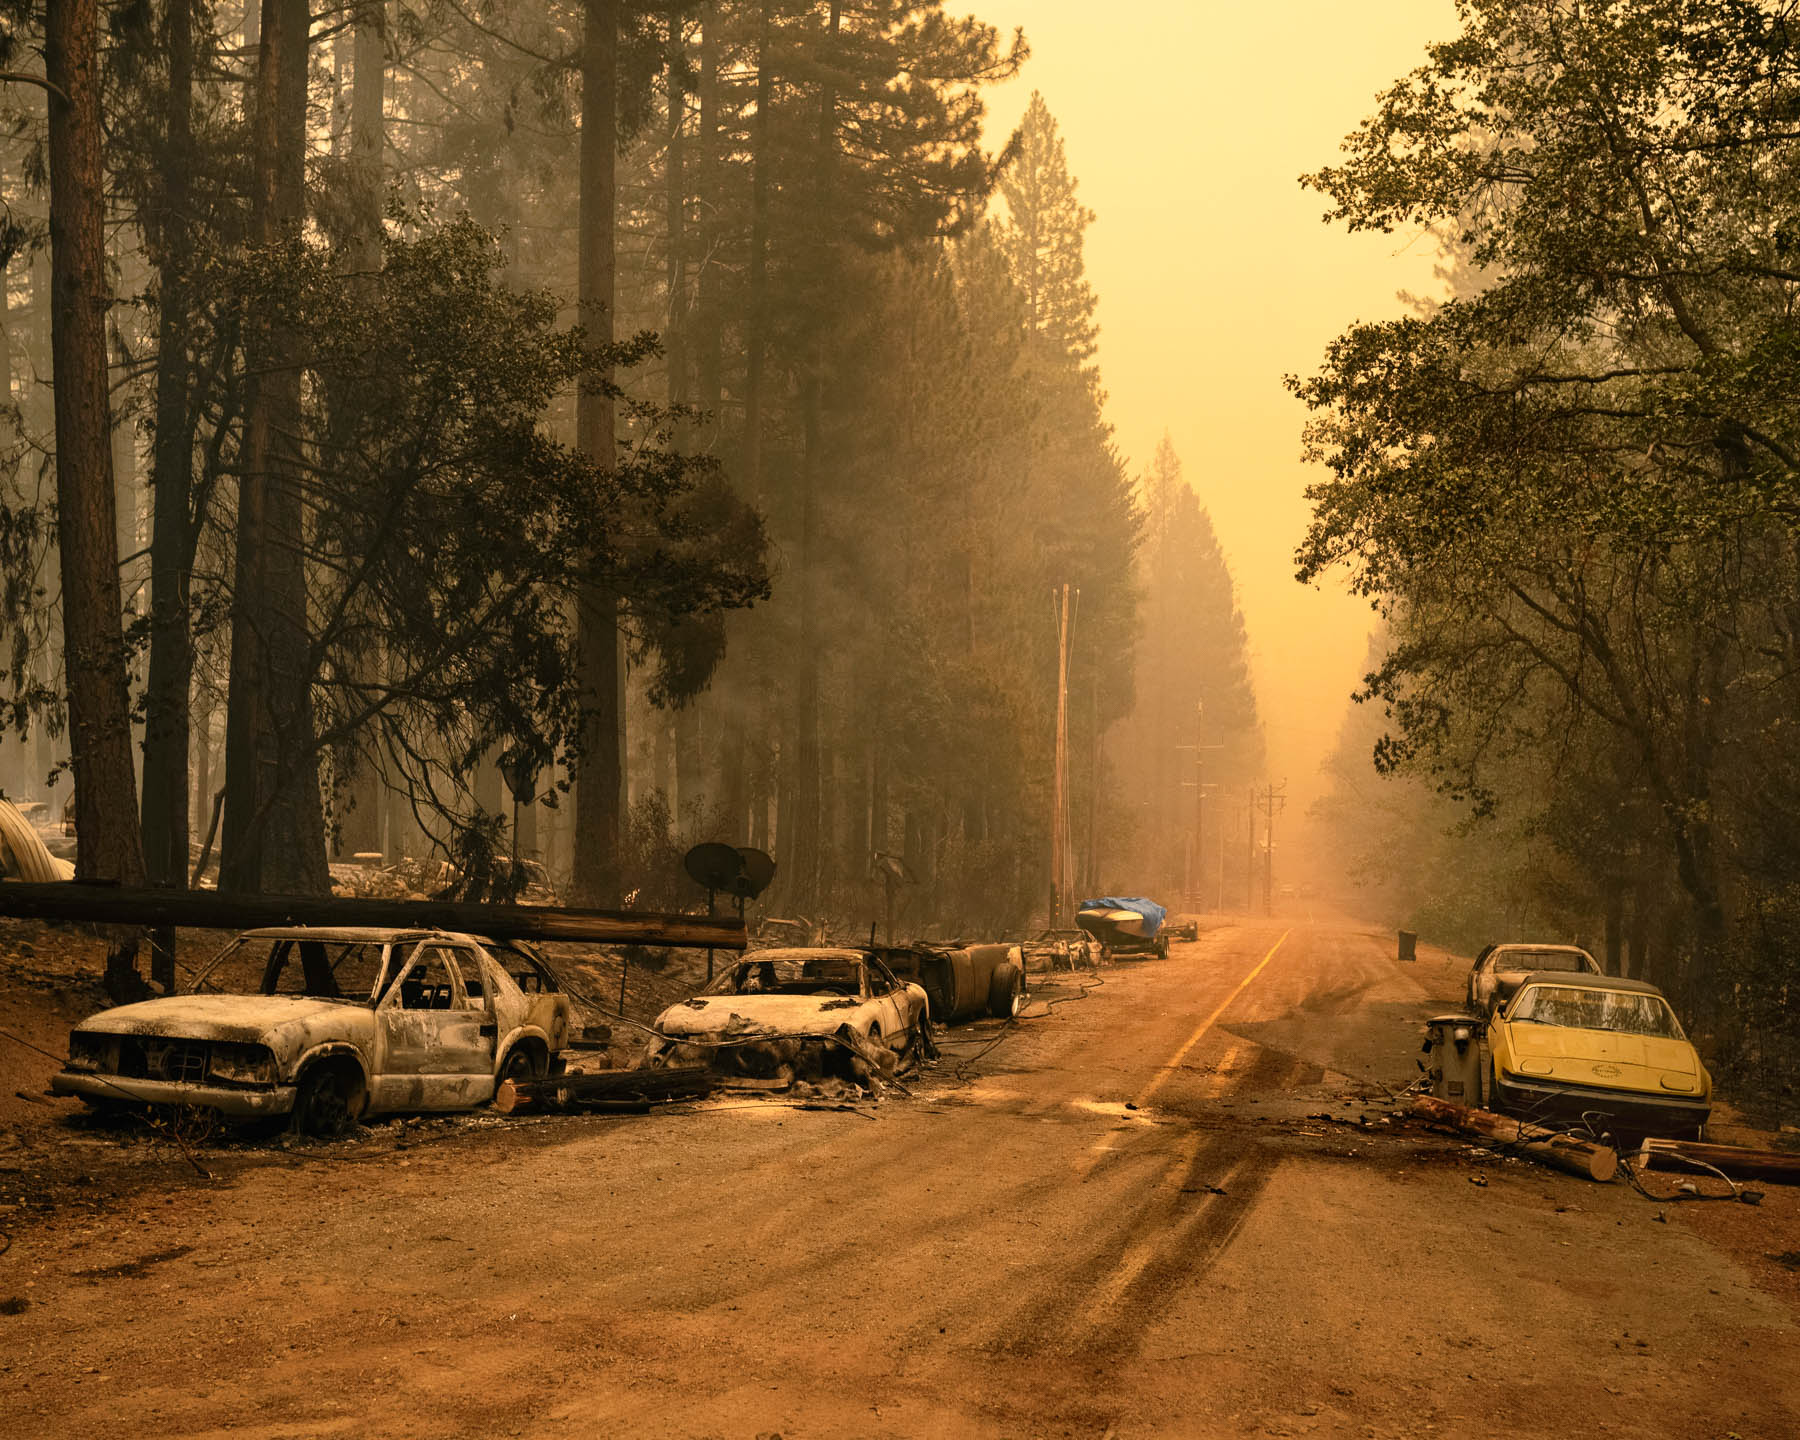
x=1615, y=927
x=201, y=802
x=709, y=362
x=756, y=322
x=358, y=813
x=803, y=831
x=675, y=204
x=274, y=821
x=599, y=789
x=111, y=847
x=166, y=817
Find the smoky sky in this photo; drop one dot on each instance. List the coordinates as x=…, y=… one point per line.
x=1187, y=124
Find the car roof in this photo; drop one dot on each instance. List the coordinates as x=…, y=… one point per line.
x=807, y=952
x=371, y=934
x=1529, y=945
x=1570, y=981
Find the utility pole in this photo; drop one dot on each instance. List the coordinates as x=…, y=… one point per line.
x=1061, y=858
x=1196, y=876
x=1250, y=854
x=1219, y=894
x=1274, y=802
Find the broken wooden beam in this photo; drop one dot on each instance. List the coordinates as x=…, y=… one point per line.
x=604, y=1087
x=1549, y=1147
x=1737, y=1161
x=209, y=910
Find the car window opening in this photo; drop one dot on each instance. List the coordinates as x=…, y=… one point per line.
x=1563, y=960
x=427, y=986
x=322, y=969
x=815, y=975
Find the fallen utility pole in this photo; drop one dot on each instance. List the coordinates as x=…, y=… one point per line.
x=605, y=1088
x=209, y=910
x=1733, y=1160
x=1550, y=1147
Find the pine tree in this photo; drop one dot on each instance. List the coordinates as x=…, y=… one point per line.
x=1193, y=664
x=1043, y=237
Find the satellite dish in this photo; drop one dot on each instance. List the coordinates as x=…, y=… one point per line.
x=758, y=871
x=714, y=866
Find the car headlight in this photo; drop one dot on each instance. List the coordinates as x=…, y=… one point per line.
x=238, y=1064
x=1685, y=1084
x=88, y=1051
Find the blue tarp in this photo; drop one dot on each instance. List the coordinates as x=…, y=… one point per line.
x=1149, y=909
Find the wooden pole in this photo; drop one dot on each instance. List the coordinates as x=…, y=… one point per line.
x=1059, y=839
x=209, y=910
x=1564, y=1152
x=1733, y=1160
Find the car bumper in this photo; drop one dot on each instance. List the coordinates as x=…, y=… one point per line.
x=1636, y=1112
x=226, y=1099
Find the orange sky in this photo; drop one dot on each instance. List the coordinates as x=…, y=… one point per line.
x=1186, y=124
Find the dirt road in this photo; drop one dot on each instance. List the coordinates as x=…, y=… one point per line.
x=1123, y=1220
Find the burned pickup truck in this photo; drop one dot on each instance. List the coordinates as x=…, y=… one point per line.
x=328, y=1026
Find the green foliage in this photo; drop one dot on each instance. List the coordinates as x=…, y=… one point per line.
x=447, y=531
x=1571, y=487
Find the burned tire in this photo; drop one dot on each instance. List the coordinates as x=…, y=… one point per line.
x=328, y=1101
x=525, y=1062
x=1006, y=991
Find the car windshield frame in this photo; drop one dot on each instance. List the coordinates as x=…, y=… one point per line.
x=1562, y=962
x=1649, y=1007
x=731, y=980
x=267, y=948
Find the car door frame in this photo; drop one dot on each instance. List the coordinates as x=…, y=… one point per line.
x=459, y=1030
x=896, y=1019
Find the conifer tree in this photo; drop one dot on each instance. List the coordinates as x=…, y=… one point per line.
x=1043, y=236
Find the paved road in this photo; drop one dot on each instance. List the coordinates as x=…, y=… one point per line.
x=1121, y=1221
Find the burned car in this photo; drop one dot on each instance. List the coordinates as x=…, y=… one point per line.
x=1599, y=1050
x=328, y=1026
x=1499, y=969
x=963, y=982
x=797, y=1014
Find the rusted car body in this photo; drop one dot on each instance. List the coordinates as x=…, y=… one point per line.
x=1499, y=970
x=962, y=982
x=328, y=1026
x=795, y=1014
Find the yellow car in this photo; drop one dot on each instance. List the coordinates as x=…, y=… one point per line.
x=1573, y=1047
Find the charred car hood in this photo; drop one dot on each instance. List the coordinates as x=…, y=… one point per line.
x=1606, y=1059
x=714, y=1015
x=247, y=1018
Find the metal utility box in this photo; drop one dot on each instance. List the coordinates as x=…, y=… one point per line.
x=1453, y=1065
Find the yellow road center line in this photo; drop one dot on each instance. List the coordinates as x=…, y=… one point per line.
x=1227, y=1066
x=1174, y=1062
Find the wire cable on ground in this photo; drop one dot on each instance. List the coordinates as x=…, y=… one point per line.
x=163, y=1129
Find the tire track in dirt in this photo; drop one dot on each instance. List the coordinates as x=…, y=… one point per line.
x=1098, y=1307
